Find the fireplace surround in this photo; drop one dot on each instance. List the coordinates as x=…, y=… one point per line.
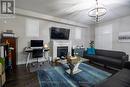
x=59, y=48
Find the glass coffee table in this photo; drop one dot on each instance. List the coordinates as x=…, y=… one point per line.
x=73, y=58
x=73, y=63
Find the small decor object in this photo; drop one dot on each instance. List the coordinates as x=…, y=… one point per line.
x=10, y=57
x=91, y=44
x=11, y=47
x=91, y=50
x=8, y=33
x=124, y=37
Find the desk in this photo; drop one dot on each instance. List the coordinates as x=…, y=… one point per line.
x=29, y=50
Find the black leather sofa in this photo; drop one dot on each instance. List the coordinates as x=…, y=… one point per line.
x=120, y=79
x=113, y=59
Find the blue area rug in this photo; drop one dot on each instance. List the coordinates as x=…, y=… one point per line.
x=57, y=77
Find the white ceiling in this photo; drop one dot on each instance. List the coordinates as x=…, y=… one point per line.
x=76, y=10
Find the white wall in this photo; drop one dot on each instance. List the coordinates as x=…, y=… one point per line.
x=18, y=25
x=118, y=25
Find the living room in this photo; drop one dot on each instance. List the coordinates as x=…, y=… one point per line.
x=90, y=33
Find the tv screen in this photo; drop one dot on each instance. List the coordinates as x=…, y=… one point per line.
x=36, y=43
x=59, y=33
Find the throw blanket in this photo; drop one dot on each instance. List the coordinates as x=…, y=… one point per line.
x=57, y=77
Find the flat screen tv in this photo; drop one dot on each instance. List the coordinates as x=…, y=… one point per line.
x=59, y=33
x=36, y=43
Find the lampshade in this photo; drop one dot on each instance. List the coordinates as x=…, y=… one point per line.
x=45, y=45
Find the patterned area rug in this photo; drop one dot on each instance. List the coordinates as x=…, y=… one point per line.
x=57, y=77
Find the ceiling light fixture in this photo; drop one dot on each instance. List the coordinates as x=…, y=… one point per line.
x=97, y=12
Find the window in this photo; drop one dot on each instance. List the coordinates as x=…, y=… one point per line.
x=32, y=28
x=77, y=33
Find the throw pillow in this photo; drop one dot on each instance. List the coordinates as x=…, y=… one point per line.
x=90, y=51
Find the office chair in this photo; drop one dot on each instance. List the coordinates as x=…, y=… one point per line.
x=37, y=53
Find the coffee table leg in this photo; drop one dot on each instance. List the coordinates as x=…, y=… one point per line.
x=71, y=66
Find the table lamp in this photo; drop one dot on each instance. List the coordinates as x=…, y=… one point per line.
x=46, y=46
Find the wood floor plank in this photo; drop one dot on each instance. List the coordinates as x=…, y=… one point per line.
x=21, y=77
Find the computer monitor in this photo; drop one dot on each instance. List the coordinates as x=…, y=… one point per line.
x=36, y=43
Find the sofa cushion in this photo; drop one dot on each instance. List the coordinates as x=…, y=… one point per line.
x=121, y=79
x=107, y=60
x=115, y=54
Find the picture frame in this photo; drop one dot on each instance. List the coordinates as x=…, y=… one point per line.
x=124, y=37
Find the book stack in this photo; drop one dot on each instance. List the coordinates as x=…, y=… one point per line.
x=8, y=34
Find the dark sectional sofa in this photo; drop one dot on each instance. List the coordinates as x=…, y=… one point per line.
x=120, y=79
x=114, y=59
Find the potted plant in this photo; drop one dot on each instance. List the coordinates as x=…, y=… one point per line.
x=91, y=44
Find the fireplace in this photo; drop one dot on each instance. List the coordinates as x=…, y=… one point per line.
x=62, y=51
x=59, y=48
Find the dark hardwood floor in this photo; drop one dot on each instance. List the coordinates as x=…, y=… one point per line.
x=21, y=77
